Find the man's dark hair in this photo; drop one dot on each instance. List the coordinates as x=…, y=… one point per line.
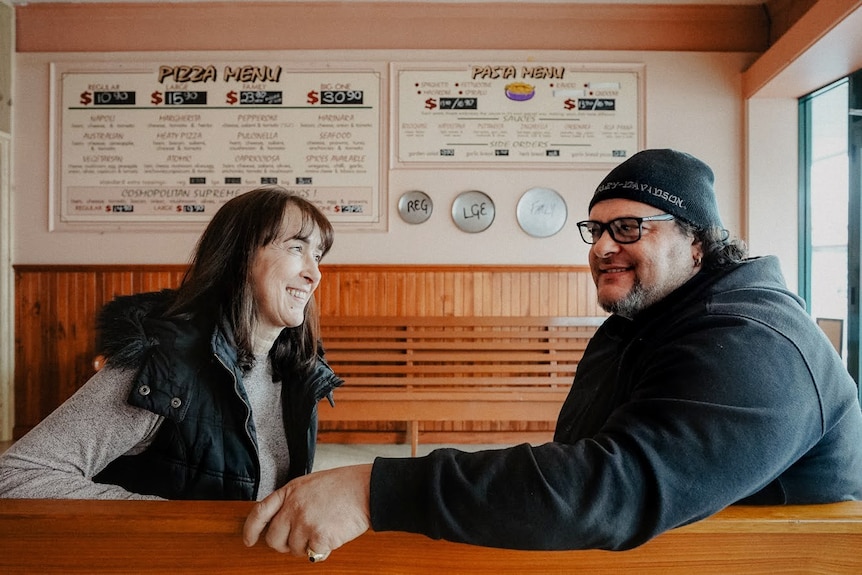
x=719, y=250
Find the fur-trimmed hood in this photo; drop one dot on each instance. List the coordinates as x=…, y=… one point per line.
x=122, y=336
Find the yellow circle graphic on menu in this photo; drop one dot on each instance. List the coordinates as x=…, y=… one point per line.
x=520, y=91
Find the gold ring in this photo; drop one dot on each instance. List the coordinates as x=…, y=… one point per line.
x=313, y=556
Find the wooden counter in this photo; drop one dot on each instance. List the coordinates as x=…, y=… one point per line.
x=62, y=536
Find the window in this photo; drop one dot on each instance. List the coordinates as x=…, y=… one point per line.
x=830, y=176
x=825, y=221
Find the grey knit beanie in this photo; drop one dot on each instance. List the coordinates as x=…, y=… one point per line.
x=672, y=181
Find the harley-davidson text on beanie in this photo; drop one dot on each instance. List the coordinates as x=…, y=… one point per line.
x=672, y=181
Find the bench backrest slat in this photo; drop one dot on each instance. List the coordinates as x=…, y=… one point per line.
x=465, y=321
x=417, y=351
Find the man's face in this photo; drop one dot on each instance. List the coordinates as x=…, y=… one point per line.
x=631, y=277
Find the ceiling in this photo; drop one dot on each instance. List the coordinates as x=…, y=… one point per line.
x=711, y=2
x=809, y=41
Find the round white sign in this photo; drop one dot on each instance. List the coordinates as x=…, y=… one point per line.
x=415, y=207
x=541, y=212
x=473, y=211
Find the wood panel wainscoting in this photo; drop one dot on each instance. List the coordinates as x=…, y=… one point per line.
x=56, y=307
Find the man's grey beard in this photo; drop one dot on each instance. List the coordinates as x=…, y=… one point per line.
x=633, y=303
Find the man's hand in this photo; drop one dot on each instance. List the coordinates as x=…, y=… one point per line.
x=316, y=513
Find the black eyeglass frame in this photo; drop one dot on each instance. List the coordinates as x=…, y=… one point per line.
x=591, y=238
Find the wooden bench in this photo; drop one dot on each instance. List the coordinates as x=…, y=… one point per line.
x=142, y=537
x=414, y=369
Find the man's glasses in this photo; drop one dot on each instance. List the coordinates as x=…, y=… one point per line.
x=622, y=230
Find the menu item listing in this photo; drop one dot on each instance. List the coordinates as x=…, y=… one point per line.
x=517, y=113
x=173, y=142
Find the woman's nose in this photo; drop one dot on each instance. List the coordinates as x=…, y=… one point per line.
x=312, y=270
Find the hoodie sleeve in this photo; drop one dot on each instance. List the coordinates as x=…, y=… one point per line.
x=717, y=413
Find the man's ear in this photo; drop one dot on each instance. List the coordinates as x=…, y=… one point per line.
x=696, y=249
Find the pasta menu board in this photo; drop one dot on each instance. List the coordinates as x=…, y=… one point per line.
x=517, y=113
x=174, y=141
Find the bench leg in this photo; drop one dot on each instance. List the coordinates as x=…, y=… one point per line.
x=413, y=437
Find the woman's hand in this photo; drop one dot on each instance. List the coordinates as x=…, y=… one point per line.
x=314, y=514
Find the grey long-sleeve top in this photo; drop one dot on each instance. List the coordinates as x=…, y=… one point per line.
x=59, y=457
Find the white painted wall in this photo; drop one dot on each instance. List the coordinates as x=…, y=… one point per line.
x=7, y=333
x=770, y=199
x=693, y=103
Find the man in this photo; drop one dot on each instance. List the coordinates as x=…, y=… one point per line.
x=708, y=385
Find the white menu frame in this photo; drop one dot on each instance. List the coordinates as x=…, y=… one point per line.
x=536, y=114
x=164, y=144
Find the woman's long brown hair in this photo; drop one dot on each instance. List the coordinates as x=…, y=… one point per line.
x=217, y=282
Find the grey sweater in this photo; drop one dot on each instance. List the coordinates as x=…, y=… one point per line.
x=59, y=457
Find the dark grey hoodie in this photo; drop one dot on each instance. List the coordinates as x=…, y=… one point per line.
x=724, y=392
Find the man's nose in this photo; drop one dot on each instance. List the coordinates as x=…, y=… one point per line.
x=605, y=244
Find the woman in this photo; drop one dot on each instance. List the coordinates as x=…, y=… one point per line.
x=209, y=391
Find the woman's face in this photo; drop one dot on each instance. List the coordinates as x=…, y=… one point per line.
x=284, y=274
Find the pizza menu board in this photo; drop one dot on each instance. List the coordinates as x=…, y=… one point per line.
x=513, y=113
x=173, y=141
